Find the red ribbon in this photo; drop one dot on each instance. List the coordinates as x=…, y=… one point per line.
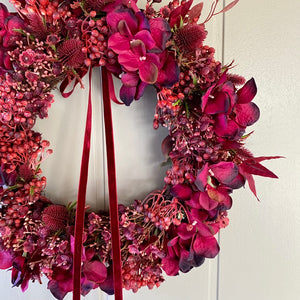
x=112, y=187
x=80, y=210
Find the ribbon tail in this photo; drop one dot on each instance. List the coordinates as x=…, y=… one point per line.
x=111, y=86
x=112, y=187
x=81, y=198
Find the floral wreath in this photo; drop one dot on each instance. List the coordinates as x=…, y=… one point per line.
x=205, y=107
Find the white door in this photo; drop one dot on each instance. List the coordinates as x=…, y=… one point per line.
x=259, y=256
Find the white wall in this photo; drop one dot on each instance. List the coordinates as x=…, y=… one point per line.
x=260, y=249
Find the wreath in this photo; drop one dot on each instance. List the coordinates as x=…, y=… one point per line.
x=205, y=107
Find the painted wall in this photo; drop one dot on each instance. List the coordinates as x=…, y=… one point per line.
x=259, y=256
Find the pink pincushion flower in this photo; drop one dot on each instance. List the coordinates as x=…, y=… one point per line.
x=27, y=57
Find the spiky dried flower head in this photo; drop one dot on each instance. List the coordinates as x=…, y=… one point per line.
x=70, y=53
x=190, y=37
x=55, y=217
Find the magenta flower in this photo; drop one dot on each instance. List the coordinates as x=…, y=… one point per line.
x=6, y=259
x=233, y=110
x=138, y=44
x=188, y=249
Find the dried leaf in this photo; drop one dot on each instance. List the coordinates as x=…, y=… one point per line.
x=228, y=7
x=195, y=12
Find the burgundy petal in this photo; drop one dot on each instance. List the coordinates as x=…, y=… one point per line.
x=206, y=246
x=87, y=286
x=224, y=172
x=166, y=146
x=201, y=180
x=95, y=271
x=140, y=90
x=127, y=94
x=237, y=182
x=227, y=128
x=185, y=231
x=218, y=195
x=194, y=202
x=142, y=21
x=181, y=191
x=55, y=289
x=206, y=97
x=184, y=261
x=206, y=202
x=113, y=18
x=108, y=285
x=246, y=114
x=170, y=265
x=169, y=70
x=247, y=92
x=173, y=242
x=130, y=79
x=219, y=104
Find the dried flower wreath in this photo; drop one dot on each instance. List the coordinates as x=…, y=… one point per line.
x=205, y=108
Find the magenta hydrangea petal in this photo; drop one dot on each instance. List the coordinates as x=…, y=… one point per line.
x=224, y=171
x=181, y=191
x=247, y=114
x=6, y=259
x=130, y=79
x=127, y=94
x=148, y=72
x=95, y=271
x=119, y=43
x=129, y=60
x=147, y=39
x=160, y=31
x=170, y=265
x=247, y=92
x=206, y=246
x=201, y=180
